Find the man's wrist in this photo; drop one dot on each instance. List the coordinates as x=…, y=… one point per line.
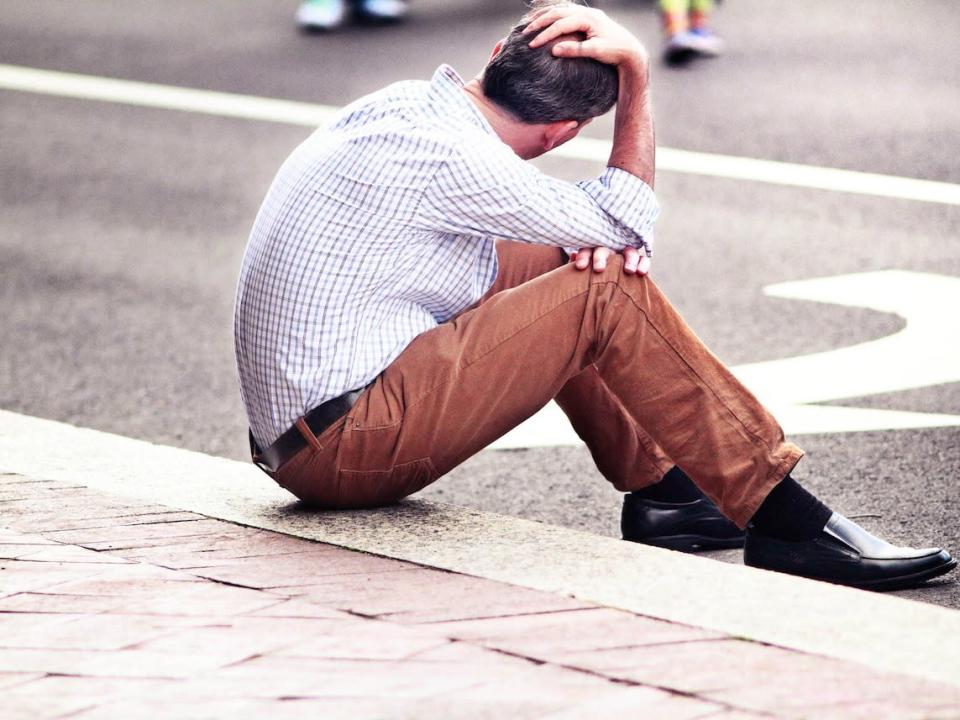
x=635, y=63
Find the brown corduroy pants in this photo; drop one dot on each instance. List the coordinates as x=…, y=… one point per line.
x=637, y=384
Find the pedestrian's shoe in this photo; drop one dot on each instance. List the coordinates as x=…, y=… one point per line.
x=381, y=10
x=318, y=15
x=687, y=526
x=846, y=554
x=705, y=42
x=678, y=48
x=683, y=46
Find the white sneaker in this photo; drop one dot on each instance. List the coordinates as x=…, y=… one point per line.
x=705, y=42
x=384, y=10
x=321, y=14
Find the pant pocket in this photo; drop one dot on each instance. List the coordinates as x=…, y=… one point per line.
x=373, y=488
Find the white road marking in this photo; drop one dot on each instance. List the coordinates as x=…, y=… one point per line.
x=926, y=352
x=882, y=632
x=90, y=87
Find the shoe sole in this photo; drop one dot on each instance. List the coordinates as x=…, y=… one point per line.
x=900, y=582
x=691, y=543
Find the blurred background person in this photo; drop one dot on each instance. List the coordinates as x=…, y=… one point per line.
x=687, y=33
x=313, y=15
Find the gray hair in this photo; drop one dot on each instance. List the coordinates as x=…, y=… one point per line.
x=536, y=87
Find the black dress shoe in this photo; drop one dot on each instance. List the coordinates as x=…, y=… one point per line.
x=846, y=554
x=688, y=526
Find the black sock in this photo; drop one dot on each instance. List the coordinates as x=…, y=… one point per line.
x=790, y=512
x=675, y=487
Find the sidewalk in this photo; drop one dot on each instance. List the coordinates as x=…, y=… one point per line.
x=114, y=608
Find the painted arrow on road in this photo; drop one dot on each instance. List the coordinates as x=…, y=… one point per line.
x=925, y=352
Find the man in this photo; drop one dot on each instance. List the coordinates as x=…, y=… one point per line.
x=383, y=337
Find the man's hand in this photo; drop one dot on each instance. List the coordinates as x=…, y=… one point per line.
x=606, y=41
x=634, y=263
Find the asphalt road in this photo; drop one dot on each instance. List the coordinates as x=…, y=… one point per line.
x=122, y=228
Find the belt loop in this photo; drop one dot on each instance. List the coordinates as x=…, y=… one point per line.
x=308, y=435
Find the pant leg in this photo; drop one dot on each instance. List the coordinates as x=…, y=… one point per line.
x=623, y=452
x=458, y=387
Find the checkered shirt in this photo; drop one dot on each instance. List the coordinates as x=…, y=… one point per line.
x=381, y=226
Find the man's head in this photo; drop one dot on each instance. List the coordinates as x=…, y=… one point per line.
x=534, y=86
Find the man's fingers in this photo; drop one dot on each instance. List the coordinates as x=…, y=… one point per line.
x=563, y=26
x=644, y=267
x=593, y=48
x=541, y=18
x=582, y=259
x=631, y=259
x=600, y=256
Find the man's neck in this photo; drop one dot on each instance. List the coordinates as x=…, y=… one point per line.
x=511, y=131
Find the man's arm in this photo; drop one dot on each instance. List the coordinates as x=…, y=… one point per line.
x=606, y=41
x=482, y=188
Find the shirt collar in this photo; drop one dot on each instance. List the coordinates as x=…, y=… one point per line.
x=448, y=85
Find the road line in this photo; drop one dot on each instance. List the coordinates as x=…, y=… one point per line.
x=90, y=87
x=880, y=631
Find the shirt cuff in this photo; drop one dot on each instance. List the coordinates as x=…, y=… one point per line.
x=629, y=201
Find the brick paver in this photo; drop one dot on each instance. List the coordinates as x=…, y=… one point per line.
x=114, y=609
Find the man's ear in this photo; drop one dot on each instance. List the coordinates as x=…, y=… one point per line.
x=557, y=133
x=497, y=48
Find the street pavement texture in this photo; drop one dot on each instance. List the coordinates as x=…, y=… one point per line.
x=122, y=227
x=111, y=607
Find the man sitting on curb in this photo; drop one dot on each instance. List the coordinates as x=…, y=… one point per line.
x=383, y=336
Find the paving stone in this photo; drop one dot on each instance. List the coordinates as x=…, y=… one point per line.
x=41, y=708
x=36, y=602
x=312, y=677
x=204, y=599
x=123, y=663
x=297, y=609
x=84, y=632
x=479, y=659
x=423, y=595
x=319, y=565
x=9, y=536
x=549, y=634
x=17, y=576
x=15, y=479
x=93, y=688
x=250, y=709
x=454, y=706
x=248, y=636
x=57, y=553
x=367, y=640
x=114, y=534
x=706, y=668
x=637, y=702
x=877, y=711
x=827, y=682
x=177, y=552
x=10, y=680
x=133, y=582
x=213, y=550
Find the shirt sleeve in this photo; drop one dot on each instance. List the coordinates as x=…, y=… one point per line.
x=489, y=191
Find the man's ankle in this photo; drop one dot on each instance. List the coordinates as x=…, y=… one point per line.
x=675, y=487
x=790, y=512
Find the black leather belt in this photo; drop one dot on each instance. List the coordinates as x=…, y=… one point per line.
x=292, y=441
